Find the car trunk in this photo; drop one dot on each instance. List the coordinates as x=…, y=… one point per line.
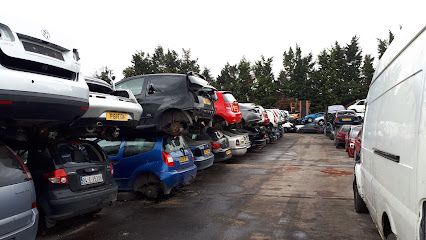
x=84, y=165
x=16, y=193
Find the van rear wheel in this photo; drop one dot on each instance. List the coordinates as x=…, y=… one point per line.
x=359, y=203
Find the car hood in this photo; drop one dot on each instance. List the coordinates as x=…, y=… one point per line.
x=40, y=31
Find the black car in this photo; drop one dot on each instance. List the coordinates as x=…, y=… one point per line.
x=310, y=128
x=345, y=117
x=71, y=178
x=172, y=102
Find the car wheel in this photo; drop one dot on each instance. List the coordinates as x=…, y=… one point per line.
x=391, y=236
x=359, y=203
x=321, y=122
x=148, y=186
x=174, y=129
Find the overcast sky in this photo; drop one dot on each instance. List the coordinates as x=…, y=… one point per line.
x=107, y=33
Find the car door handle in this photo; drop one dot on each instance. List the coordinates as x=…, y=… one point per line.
x=389, y=156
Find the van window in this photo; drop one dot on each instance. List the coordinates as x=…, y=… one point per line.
x=75, y=152
x=134, y=85
x=173, y=144
x=111, y=148
x=138, y=146
x=11, y=172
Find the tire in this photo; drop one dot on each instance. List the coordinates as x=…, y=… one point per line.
x=359, y=203
x=174, y=129
x=148, y=186
x=391, y=236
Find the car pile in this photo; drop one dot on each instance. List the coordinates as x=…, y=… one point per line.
x=69, y=143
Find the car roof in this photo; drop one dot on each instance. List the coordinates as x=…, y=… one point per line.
x=335, y=108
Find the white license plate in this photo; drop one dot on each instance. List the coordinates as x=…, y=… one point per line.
x=86, y=180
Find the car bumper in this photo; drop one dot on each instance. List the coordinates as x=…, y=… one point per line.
x=239, y=151
x=222, y=156
x=99, y=106
x=204, y=162
x=258, y=144
x=27, y=232
x=78, y=204
x=29, y=108
x=176, y=178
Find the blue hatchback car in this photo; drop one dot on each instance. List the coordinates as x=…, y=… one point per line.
x=151, y=166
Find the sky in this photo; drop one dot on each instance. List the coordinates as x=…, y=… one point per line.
x=108, y=33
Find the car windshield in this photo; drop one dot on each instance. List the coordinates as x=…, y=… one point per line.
x=354, y=132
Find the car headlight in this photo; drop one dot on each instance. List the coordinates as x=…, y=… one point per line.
x=6, y=34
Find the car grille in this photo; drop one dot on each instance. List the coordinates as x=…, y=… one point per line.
x=46, y=51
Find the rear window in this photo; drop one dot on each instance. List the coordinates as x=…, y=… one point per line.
x=111, y=148
x=228, y=97
x=355, y=132
x=75, y=153
x=11, y=172
x=349, y=113
x=99, y=88
x=138, y=146
x=173, y=144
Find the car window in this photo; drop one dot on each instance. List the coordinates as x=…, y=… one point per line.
x=346, y=113
x=138, y=146
x=173, y=144
x=354, y=132
x=75, y=152
x=99, y=88
x=134, y=85
x=111, y=148
x=345, y=128
x=228, y=97
x=163, y=83
x=361, y=103
x=11, y=171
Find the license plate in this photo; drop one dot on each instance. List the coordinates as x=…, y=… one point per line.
x=346, y=119
x=207, y=152
x=207, y=101
x=183, y=159
x=86, y=180
x=228, y=152
x=114, y=116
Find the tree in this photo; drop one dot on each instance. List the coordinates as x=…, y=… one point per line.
x=141, y=64
x=227, y=78
x=245, y=80
x=187, y=64
x=367, y=73
x=106, y=74
x=383, y=44
x=206, y=73
x=264, y=84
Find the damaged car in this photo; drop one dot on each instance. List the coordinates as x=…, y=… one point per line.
x=239, y=143
x=172, y=102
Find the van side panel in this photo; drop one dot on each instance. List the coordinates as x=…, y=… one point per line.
x=395, y=103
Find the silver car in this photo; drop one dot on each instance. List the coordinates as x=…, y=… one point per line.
x=109, y=109
x=18, y=212
x=239, y=143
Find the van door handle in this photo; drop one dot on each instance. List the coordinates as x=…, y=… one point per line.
x=389, y=156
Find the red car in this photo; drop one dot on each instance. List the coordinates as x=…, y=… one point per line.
x=350, y=140
x=339, y=138
x=357, y=146
x=227, y=109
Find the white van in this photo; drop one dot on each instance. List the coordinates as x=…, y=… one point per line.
x=390, y=179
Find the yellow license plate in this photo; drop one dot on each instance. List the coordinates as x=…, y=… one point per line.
x=114, y=116
x=183, y=159
x=207, y=101
x=346, y=119
x=228, y=152
x=207, y=152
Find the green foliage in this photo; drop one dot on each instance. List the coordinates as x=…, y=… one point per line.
x=161, y=62
x=383, y=44
x=105, y=74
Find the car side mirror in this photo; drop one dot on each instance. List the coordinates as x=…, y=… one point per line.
x=151, y=89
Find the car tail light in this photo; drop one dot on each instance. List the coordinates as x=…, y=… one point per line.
x=59, y=176
x=215, y=145
x=237, y=142
x=6, y=102
x=235, y=107
x=33, y=205
x=111, y=169
x=168, y=160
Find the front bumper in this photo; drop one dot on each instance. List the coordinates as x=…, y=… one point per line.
x=204, y=162
x=176, y=178
x=79, y=203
